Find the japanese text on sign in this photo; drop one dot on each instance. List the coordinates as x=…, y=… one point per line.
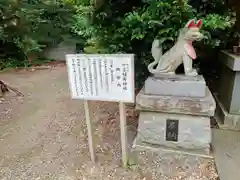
x=101, y=77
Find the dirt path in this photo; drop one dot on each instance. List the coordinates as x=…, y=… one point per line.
x=43, y=135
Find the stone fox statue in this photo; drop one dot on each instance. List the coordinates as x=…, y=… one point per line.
x=181, y=52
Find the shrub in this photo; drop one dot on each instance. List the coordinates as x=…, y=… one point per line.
x=28, y=26
x=130, y=26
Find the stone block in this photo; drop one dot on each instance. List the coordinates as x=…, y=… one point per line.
x=193, y=133
x=225, y=145
x=229, y=88
x=162, y=163
x=230, y=60
x=225, y=119
x=60, y=51
x=174, y=104
x=176, y=86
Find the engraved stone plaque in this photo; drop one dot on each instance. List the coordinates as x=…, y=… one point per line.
x=172, y=126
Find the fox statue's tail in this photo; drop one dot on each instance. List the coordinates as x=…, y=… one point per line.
x=156, y=53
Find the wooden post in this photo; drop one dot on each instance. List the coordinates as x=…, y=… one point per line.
x=88, y=115
x=122, y=110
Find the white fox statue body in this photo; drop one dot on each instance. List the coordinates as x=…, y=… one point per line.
x=181, y=52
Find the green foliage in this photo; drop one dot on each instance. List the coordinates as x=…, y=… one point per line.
x=107, y=26
x=29, y=26
x=218, y=22
x=216, y=27
x=130, y=26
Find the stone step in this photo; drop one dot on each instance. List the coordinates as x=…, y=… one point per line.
x=161, y=163
x=226, y=153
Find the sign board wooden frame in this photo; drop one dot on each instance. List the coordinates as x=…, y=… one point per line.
x=116, y=60
x=103, y=77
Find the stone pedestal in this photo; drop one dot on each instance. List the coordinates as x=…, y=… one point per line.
x=176, y=86
x=177, y=123
x=228, y=95
x=162, y=164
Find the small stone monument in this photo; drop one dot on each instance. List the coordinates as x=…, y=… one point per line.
x=227, y=96
x=175, y=110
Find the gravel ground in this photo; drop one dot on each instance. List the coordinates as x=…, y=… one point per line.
x=43, y=135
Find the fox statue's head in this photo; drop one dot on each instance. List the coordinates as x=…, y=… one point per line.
x=191, y=31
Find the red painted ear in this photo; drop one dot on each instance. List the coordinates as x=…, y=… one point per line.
x=190, y=24
x=199, y=23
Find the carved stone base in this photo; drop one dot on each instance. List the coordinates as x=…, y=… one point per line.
x=174, y=131
x=160, y=163
x=226, y=120
x=176, y=123
x=176, y=85
x=175, y=104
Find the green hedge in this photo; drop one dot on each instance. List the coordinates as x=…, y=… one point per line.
x=28, y=26
x=130, y=26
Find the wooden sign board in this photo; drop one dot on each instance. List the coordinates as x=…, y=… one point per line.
x=102, y=77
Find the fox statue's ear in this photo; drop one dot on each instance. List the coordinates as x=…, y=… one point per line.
x=199, y=23
x=190, y=23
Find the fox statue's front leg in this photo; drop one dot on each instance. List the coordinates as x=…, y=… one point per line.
x=187, y=63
